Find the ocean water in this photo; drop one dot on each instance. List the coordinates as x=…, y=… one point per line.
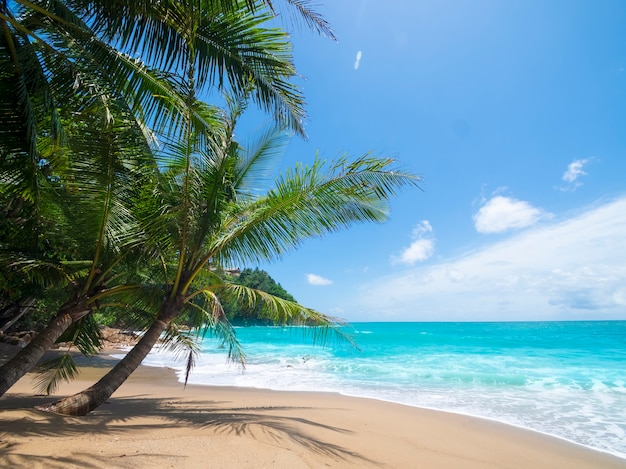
x=566, y=379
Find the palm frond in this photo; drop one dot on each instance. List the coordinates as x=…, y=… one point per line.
x=286, y=312
x=53, y=371
x=136, y=305
x=311, y=18
x=182, y=342
x=308, y=201
x=45, y=272
x=258, y=161
x=85, y=334
x=204, y=313
x=236, y=49
x=215, y=322
x=22, y=101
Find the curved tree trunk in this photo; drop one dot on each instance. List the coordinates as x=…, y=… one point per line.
x=93, y=397
x=27, y=358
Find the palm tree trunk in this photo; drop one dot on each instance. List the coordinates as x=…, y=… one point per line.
x=93, y=397
x=27, y=358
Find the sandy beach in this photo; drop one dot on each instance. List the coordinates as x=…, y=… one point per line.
x=153, y=421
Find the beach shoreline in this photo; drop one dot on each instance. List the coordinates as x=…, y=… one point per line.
x=154, y=421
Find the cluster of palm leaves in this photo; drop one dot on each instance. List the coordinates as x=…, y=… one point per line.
x=122, y=187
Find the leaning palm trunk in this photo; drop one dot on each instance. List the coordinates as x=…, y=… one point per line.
x=28, y=357
x=93, y=397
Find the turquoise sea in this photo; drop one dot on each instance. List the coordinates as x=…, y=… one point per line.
x=566, y=379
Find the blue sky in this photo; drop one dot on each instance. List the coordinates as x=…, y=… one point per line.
x=514, y=114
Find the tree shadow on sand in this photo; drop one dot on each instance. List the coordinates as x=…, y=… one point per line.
x=276, y=424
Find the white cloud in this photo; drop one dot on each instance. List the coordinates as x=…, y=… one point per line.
x=318, y=280
x=422, y=228
x=573, y=172
x=421, y=248
x=357, y=61
x=500, y=214
x=574, y=269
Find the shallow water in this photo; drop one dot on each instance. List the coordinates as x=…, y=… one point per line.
x=566, y=379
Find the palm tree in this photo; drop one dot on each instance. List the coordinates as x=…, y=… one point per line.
x=209, y=223
x=204, y=215
x=70, y=57
x=105, y=162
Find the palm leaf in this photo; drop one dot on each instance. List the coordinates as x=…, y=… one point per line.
x=308, y=201
x=229, y=47
x=287, y=312
x=181, y=342
x=85, y=335
x=216, y=323
x=310, y=17
x=51, y=372
x=257, y=162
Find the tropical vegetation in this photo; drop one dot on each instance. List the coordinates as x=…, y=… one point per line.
x=71, y=80
x=136, y=192
x=240, y=312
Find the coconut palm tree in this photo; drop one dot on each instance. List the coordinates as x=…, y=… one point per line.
x=57, y=56
x=205, y=215
x=104, y=165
